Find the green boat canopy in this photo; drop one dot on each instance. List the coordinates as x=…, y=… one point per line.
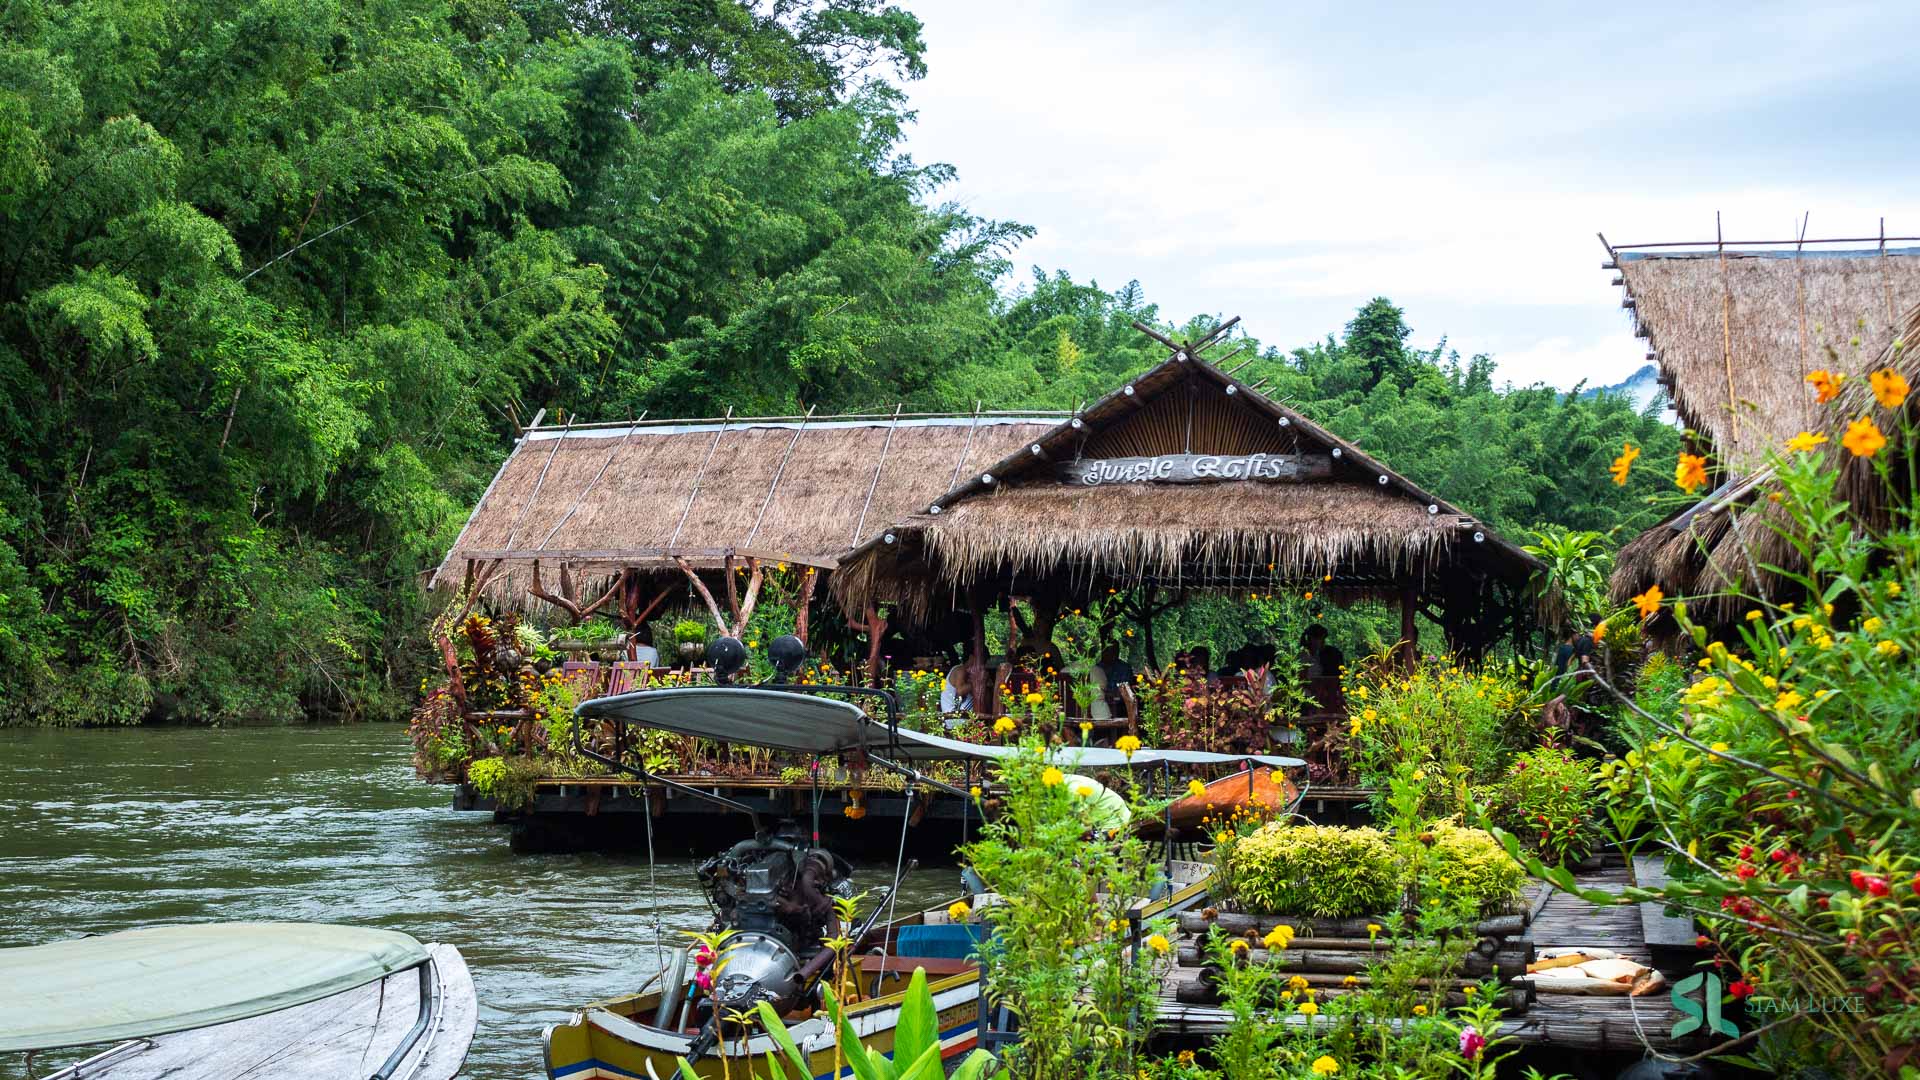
x=811, y=724
x=162, y=979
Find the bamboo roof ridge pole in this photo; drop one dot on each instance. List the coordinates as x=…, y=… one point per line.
x=965, y=449
x=591, y=484
x=539, y=481
x=774, y=484
x=1726, y=335
x=860, y=526
x=1800, y=289
x=688, y=509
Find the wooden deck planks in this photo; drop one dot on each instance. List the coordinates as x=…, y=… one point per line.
x=1568, y=1020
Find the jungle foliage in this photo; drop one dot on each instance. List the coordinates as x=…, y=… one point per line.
x=279, y=280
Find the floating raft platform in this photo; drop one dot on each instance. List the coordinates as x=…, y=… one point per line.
x=1570, y=1021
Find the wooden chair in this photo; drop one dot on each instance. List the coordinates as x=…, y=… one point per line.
x=625, y=675
x=583, y=676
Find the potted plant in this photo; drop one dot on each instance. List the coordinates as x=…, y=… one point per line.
x=691, y=637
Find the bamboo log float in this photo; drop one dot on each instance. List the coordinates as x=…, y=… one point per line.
x=1200, y=992
x=1379, y=946
x=1237, y=923
x=1508, y=964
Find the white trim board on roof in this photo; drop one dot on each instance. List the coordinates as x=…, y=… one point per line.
x=817, y=425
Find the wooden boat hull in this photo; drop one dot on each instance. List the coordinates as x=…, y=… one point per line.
x=615, y=1040
x=348, y=1034
x=600, y=1043
x=1269, y=791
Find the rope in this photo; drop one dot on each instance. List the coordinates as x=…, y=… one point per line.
x=659, y=953
x=899, y=871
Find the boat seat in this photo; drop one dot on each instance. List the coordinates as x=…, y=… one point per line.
x=954, y=941
x=936, y=967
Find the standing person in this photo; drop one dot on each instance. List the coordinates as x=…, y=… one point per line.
x=1576, y=646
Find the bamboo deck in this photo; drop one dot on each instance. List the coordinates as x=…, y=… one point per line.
x=1570, y=1021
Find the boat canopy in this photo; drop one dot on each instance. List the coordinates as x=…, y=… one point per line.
x=812, y=724
x=162, y=979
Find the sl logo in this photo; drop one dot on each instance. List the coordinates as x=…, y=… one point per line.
x=1694, y=1014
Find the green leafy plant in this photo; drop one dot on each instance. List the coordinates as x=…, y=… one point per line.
x=1548, y=798
x=1457, y=727
x=690, y=632
x=1470, y=868
x=508, y=781
x=1321, y=870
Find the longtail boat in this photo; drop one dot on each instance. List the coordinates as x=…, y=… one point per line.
x=772, y=894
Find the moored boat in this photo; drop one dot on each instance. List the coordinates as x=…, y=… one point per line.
x=298, y=1001
x=769, y=893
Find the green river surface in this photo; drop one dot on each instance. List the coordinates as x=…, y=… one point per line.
x=104, y=830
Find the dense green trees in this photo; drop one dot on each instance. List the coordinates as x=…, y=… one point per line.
x=278, y=279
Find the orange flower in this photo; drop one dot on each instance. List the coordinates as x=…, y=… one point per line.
x=1889, y=386
x=1690, y=473
x=1599, y=633
x=1826, y=385
x=1863, y=437
x=1649, y=602
x=1621, y=464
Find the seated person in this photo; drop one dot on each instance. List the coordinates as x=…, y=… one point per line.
x=956, y=691
x=1320, y=660
x=640, y=646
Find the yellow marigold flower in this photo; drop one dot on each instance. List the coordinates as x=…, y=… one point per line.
x=1787, y=701
x=1872, y=625
x=1419, y=1010
x=1753, y=616
x=1370, y=715
x=1126, y=744
x=1360, y=692
x=1623, y=463
x=1159, y=944
x=1888, y=648
x=1826, y=385
x=1052, y=777
x=1004, y=726
x=1223, y=837
x=1278, y=938
x=1325, y=1066
x=1308, y=596
x=1353, y=726
x=1721, y=748
x=974, y=791
x=959, y=911
x=1306, y=1008
x=1034, y=698
x=1863, y=438
x=1893, y=588
x=1297, y=983
x=1690, y=472
x=1804, y=442
x=1086, y=727
x=1196, y=789
x=1889, y=386
x=1373, y=930
x=1083, y=790
x=1286, y=995
x=1649, y=602
x=1351, y=980
x=1237, y=945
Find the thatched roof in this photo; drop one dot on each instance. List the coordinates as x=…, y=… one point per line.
x=1727, y=545
x=1735, y=333
x=602, y=497
x=1363, y=525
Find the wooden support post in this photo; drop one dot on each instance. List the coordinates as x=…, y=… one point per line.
x=1409, y=630
x=745, y=614
x=977, y=653
x=808, y=576
x=876, y=627
x=713, y=606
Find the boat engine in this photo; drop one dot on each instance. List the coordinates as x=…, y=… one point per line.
x=776, y=892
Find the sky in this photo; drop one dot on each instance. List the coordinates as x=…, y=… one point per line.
x=1287, y=162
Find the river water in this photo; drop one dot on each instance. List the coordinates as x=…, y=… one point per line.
x=111, y=829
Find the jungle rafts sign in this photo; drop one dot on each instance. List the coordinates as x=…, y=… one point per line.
x=1197, y=469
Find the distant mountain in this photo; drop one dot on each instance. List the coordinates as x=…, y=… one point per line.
x=1639, y=387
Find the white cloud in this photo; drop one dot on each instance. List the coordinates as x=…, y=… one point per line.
x=1289, y=164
